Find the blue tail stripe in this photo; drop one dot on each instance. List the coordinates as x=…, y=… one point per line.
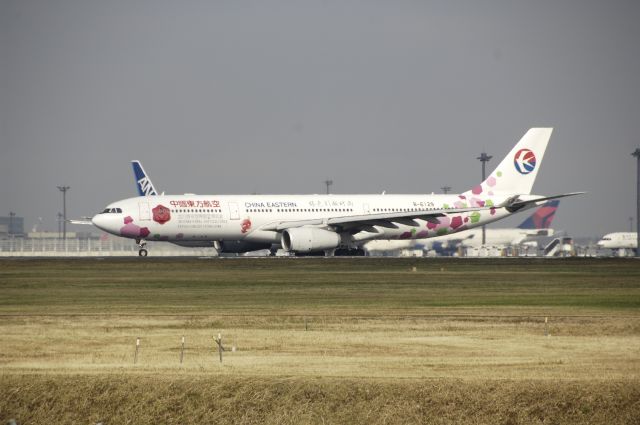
x=143, y=183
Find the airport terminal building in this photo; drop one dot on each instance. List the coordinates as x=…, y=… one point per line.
x=12, y=225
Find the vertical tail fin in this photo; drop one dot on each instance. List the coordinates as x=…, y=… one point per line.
x=518, y=170
x=542, y=217
x=143, y=182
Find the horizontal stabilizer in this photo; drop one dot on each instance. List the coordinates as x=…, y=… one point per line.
x=514, y=203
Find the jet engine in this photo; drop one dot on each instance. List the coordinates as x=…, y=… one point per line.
x=308, y=239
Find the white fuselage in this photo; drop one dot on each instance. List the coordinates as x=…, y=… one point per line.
x=191, y=218
x=619, y=240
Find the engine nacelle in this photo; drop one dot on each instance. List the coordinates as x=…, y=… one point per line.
x=308, y=239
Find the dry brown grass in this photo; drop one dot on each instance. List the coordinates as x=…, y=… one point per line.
x=461, y=351
x=154, y=399
x=579, y=348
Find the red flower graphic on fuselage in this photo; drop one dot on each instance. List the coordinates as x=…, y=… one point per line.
x=161, y=214
x=245, y=225
x=131, y=230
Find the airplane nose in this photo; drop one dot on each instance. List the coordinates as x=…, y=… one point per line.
x=100, y=221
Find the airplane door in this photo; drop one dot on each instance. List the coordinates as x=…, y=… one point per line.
x=145, y=211
x=234, y=212
x=365, y=207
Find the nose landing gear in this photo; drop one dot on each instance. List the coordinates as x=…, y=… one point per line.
x=142, y=252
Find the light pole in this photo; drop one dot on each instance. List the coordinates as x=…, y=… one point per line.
x=59, y=225
x=10, y=230
x=64, y=189
x=636, y=153
x=484, y=158
x=446, y=189
x=328, y=183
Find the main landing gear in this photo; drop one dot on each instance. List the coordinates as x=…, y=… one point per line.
x=142, y=252
x=349, y=252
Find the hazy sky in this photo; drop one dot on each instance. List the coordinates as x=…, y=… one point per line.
x=275, y=96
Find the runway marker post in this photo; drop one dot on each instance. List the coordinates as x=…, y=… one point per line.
x=220, y=347
x=135, y=356
x=546, y=329
x=182, y=350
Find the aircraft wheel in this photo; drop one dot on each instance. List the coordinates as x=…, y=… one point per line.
x=142, y=252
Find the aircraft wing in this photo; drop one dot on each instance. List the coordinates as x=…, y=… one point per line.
x=356, y=223
x=83, y=220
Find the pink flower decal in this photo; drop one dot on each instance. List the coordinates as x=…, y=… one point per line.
x=131, y=230
x=245, y=225
x=456, y=222
x=477, y=202
x=444, y=221
x=161, y=214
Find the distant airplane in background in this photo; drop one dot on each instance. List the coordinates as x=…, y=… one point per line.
x=619, y=240
x=538, y=224
x=308, y=223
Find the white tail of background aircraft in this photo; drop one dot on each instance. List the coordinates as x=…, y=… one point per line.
x=306, y=223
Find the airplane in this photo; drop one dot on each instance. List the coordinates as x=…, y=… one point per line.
x=302, y=224
x=620, y=241
x=538, y=224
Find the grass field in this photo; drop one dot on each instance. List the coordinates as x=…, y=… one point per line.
x=320, y=340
